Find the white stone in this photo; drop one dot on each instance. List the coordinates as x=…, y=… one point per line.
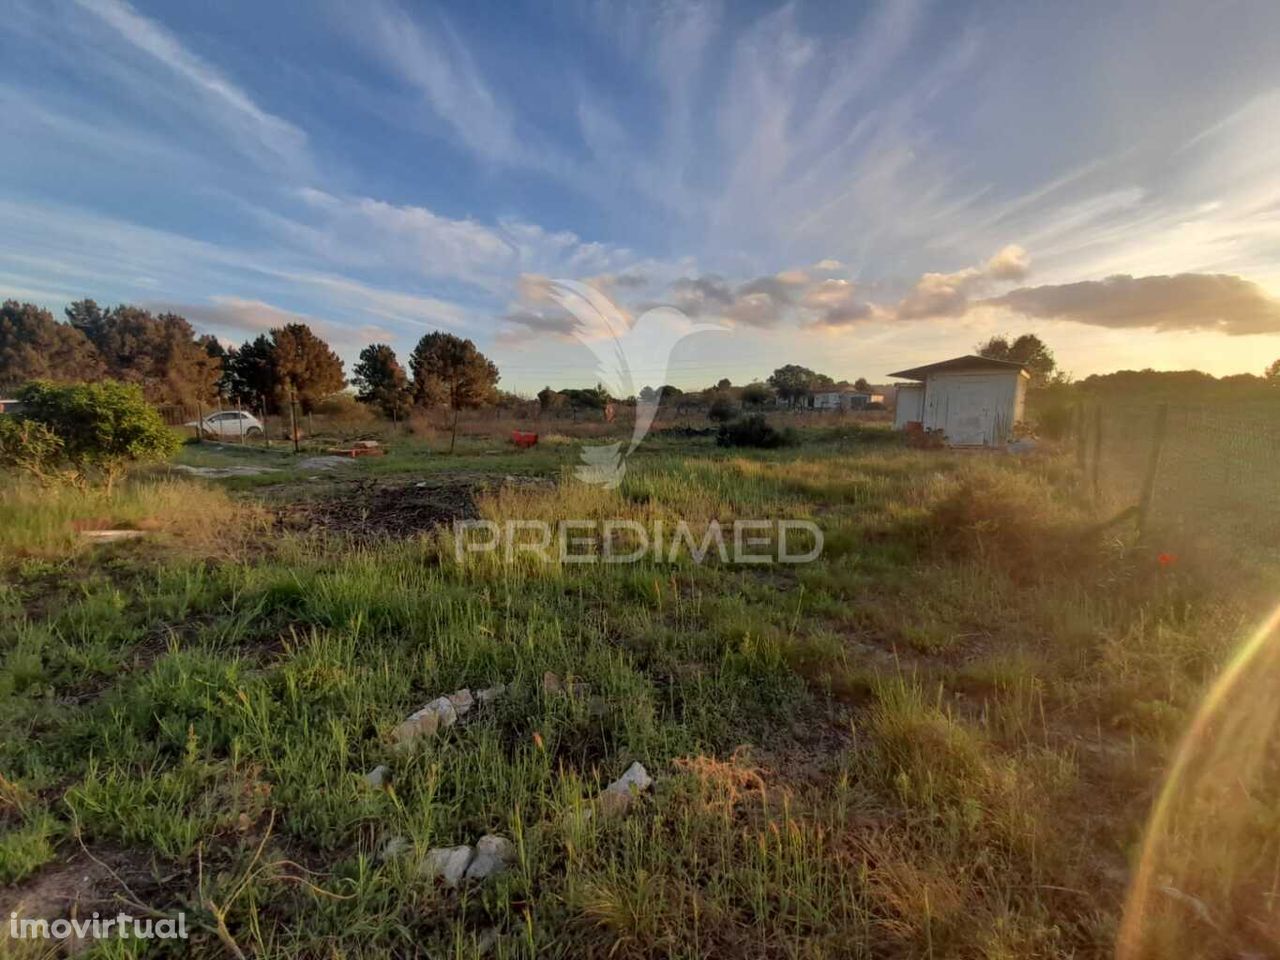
x=462, y=701
x=445, y=710
x=447, y=863
x=493, y=855
x=378, y=776
x=395, y=847
x=440, y=712
x=635, y=776
x=616, y=797
x=491, y=694
x=325, y=463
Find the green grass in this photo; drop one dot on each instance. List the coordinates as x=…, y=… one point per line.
x=941, y=739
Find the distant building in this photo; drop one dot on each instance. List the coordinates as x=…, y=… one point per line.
x=974, y=401
x=844, y=399
x=10, y=406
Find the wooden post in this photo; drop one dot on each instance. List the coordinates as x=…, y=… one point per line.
x=453, y=438
x=199, y=421
x=240, y=420
x=1153, y=467
x=293, y=417
x=266, y=427
x=1097, y=454
x=1081, y=439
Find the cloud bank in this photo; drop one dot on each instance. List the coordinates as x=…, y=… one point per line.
x=1187, y=301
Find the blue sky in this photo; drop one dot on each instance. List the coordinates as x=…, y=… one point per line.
x=855, y=187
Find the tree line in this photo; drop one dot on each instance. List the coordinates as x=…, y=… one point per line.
x=162, y=355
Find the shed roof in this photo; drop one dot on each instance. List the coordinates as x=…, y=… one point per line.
x=956, y=364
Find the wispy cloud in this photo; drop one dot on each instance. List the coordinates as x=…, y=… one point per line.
x=258, y=126
x=433, y=60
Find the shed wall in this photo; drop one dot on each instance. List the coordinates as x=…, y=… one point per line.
x=909, y=405
x=974, y=409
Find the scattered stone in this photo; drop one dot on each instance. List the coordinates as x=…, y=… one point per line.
x=617, y=796
x=443, y=712
x=493, y=855
x=324, y=463
x=447, y=863
x=112, y=536
x=426, y=722
x=219, y=473
x=378, y=777
x=462, y=701
x=486, y=940
x=395, y=847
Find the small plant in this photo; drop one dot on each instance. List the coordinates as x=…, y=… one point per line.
x=753, y=431
x=99, y=428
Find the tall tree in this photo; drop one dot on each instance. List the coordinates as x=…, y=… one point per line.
x=793, y=382
x=251, y=374
x=87, y=317
x=305, y=366
x=1028, y=349
x=159, y=353
x=34, y=346
x=862, y=385
x=550, y=400
x=755, y=394
x=381, y=381
x=450, y=371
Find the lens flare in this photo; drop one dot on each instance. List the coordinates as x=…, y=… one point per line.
x=1208, y=878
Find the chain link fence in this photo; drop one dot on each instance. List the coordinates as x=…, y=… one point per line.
x=1188, y=470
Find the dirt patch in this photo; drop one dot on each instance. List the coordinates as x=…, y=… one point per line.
x=106, y=881
x=374, y=509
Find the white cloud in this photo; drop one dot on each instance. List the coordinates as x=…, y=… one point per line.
x=271, y=132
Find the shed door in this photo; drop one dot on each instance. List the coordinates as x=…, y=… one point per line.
x=968, y=417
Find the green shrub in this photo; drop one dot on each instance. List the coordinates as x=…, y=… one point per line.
x=753, y=431
x=722, y=409
x=32, y=447
x=1055, y=421
x=100, y=427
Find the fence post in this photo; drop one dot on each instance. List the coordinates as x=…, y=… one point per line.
x=1097, y=454
x=1081, y=439
x=199, y=421
x=1153, y=467
x=266, y=424
x=293, y=417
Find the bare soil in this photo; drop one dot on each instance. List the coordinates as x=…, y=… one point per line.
x=381, y=509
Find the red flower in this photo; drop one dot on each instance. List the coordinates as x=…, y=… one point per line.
x=1166, y=560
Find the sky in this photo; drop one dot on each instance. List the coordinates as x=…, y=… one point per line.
x=855, y=187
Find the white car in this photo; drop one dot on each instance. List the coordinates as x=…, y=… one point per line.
x=230, y=425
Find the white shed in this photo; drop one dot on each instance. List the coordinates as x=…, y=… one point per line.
x=974, y=401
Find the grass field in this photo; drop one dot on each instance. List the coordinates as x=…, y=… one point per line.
x=943, y=738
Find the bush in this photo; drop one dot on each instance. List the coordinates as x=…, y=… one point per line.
x=753, y=431
x=1056, y=421
x=722, y=409
x=99, y=427
x=30, y=446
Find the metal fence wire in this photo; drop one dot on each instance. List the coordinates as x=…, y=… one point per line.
x=1191, y=469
